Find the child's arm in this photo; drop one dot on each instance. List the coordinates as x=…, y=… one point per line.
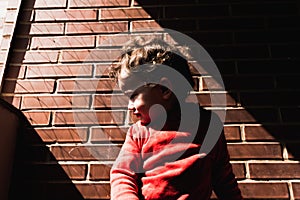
x=124, y=178
x=224, y=182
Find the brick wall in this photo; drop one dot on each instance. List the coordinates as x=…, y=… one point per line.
x=8, y=17
x=56, y=75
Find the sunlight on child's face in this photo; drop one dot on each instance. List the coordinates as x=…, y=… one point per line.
x=142, y=98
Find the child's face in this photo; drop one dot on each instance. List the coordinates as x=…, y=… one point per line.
x=142, y=99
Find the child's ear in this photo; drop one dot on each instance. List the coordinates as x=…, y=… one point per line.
x=166, y=87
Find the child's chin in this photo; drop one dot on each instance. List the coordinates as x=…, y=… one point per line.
x=145, y=123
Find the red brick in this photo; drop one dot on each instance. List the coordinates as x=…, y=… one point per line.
x=239, y=170
x=232, y=133
x=251, y=115
x=210, y=83
x=11, y=15
x=122, y=39
x=2, y=56
x=28, y=86
x=50, y=3
x=96, y=3
x=5, y=43
x=77, y=172
x=86, y=85
x=46, y=56
x=63, y=134
x=272, y=132
x=85, y=153
x=13, y=4
x=266, y=190
x=196, y=68
x=38, y=117
x=89, y=117
x=255, y=151
x=93, y=55
x=62, y=42
x=46, y=29
x=116, y=134
x=108, y=100
x=99, y=171
x=95, y=27
x=55, y=102
x=274, y=170
x=213, y=99
x=296, y=190
x=293, y=149
x=75, y=70
x=149, y=25
x=65, y=15
x=94, y=190
x=102, y=70
x=258, y=133
x=7, y=30
x=1, y=68
x=127, y=13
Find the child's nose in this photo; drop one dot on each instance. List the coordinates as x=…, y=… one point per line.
x=131, y=106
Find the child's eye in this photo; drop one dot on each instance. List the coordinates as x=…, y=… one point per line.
x=133, y=96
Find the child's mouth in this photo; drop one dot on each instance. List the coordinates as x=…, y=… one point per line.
x=138, y=115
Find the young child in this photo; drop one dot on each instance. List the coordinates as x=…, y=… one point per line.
x=161, y=157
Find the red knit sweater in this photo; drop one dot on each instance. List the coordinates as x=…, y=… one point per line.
x=167, y=165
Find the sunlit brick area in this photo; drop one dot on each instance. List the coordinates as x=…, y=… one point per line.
x=8, y=18
x=56, y=74
x=3, y=10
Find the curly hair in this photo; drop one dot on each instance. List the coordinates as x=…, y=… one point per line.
x=153, y=53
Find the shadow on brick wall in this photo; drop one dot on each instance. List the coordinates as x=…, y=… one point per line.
x=31, y=180
x=255, y=46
